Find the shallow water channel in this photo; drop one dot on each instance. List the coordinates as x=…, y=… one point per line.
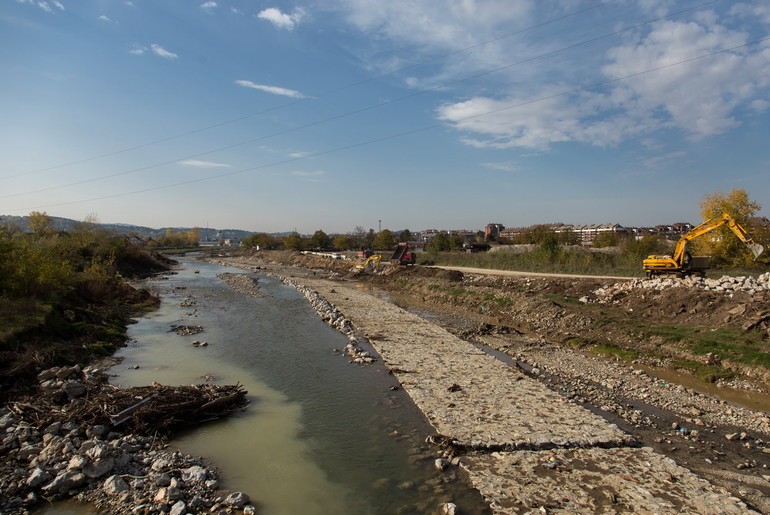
x=321, y=435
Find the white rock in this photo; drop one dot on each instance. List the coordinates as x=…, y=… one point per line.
x=114, y=485
x=237, y=499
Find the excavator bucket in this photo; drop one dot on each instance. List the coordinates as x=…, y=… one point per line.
x=756, y=249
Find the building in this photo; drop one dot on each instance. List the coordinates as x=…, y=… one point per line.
x=493, y=231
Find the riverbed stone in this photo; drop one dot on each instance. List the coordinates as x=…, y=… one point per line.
x=98, y=468
x=194, y=474
x=595, y=480
x=237, y=499
x=74, y=388
x=37, y=477
x=114, y=485
x=179, y=508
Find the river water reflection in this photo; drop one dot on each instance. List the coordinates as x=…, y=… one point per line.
x=321, y=435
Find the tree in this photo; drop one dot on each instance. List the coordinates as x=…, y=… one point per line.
x=722, y=243
x=342, y=242
x=293, y=241
x=605, y=239
x=383, y=240
x=40, y=224
x=319, y=240
x=261, y=240
x=368, y=239
x=359, y=235
x=535, y=234
x=405, y=235
x=439, y=243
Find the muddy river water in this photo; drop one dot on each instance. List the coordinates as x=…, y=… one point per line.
x=321, y=435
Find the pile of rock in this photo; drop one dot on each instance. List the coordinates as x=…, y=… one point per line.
x=334, y=317
x=243, y=284
x=725, y=284
x=118, y=473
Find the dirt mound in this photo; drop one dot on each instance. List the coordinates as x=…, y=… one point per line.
x=431, y=272
x=693, y=306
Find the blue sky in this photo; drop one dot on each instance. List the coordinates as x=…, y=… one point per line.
x=275, y=116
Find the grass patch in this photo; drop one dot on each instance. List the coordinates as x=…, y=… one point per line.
x=724, y=342
x=500, y=301
x=609, y=349
x=19, y=315
x=708, y=373
x=562, y=259
x=451, y=291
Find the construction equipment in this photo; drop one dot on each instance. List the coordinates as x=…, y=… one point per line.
x=370, y=264
x=681, y=263
x=402, y=255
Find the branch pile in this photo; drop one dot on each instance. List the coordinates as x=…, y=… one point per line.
x=86, y=398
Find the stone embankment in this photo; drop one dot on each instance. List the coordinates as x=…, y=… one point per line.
x=725, y=284
x=94, y=462
x=526, y=449
x=334, y=317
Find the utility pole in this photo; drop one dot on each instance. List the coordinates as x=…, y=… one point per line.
x=380, y=226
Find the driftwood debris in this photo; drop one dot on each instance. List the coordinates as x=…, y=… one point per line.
x=147, y=410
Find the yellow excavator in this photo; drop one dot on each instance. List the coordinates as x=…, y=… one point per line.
x=681, y=263
x=371, y=263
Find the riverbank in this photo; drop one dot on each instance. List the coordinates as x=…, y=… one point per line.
x=552, y=428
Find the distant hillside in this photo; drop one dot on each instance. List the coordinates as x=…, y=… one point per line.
x=65, y=224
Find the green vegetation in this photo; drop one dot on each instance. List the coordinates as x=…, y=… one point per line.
x=708, y=373
x=551, y=256
x=721, y=342
x=609, y=349
x=548, y=257
x=62, y=296
x=261, y=240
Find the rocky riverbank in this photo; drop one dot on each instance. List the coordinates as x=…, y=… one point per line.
x=85, y=439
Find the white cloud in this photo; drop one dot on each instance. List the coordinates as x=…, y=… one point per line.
x=209, y=6
x=664, y=86
x=138, y=50
x=202, y=164
x=436, y=24
x=282, y=20
x=275, y=90
x=162, y=52
x=698, y=97
x=104, y=18
x=47, y=6
x=760, y=105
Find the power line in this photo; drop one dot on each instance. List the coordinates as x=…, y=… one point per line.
x=319, y=95
x=364, y=109
x=402, y=134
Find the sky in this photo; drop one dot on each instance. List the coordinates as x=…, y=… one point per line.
x=274, y=116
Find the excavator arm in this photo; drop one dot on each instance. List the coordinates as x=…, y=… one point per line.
x=677, y=262
x=710, y=225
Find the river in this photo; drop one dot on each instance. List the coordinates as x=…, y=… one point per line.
x=321, y=435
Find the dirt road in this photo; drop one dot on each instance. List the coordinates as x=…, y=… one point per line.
x=513, y=273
